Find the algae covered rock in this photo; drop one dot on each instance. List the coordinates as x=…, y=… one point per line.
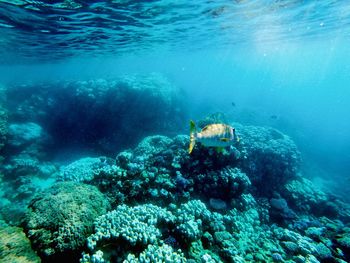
x=60, y=218
x=15, y=246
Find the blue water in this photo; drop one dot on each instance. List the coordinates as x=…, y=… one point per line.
x=280, y=64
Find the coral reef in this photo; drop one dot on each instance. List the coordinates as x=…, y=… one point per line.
x=303, y=194
x=161, y=170
x=23, y=175
x=225, y=184
x=153, y=253
x=134, y=225
x=270, y=157
x=196, y=233
x=155, y=202
x=24, y=133
x=306, y=197
x=3, y=121
x=61, y=217
x=130, y=229
x=111, y=113
x=3, y=126
x=25, y=168
x=83, y=170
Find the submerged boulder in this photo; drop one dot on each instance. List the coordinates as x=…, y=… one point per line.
x=60, y=218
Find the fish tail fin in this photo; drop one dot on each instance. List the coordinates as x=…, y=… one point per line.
x=192, y=136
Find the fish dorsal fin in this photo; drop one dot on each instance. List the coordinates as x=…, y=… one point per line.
x=206, y=127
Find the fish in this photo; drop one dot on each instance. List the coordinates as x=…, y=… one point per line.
x=217, y=135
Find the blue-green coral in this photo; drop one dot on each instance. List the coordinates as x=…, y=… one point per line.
x=160, y=171
x=157, y=216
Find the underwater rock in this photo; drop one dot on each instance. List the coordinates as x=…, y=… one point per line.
x=21, y=134
x=15, y=246
x=217, y=204
x=60, y=218
x=280, y=209
x=108, y=115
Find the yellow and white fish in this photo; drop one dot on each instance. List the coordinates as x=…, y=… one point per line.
x=213, y=135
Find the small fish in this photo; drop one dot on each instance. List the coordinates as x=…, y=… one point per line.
x=274, y=117
x=233, y=104
x=213, y=135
